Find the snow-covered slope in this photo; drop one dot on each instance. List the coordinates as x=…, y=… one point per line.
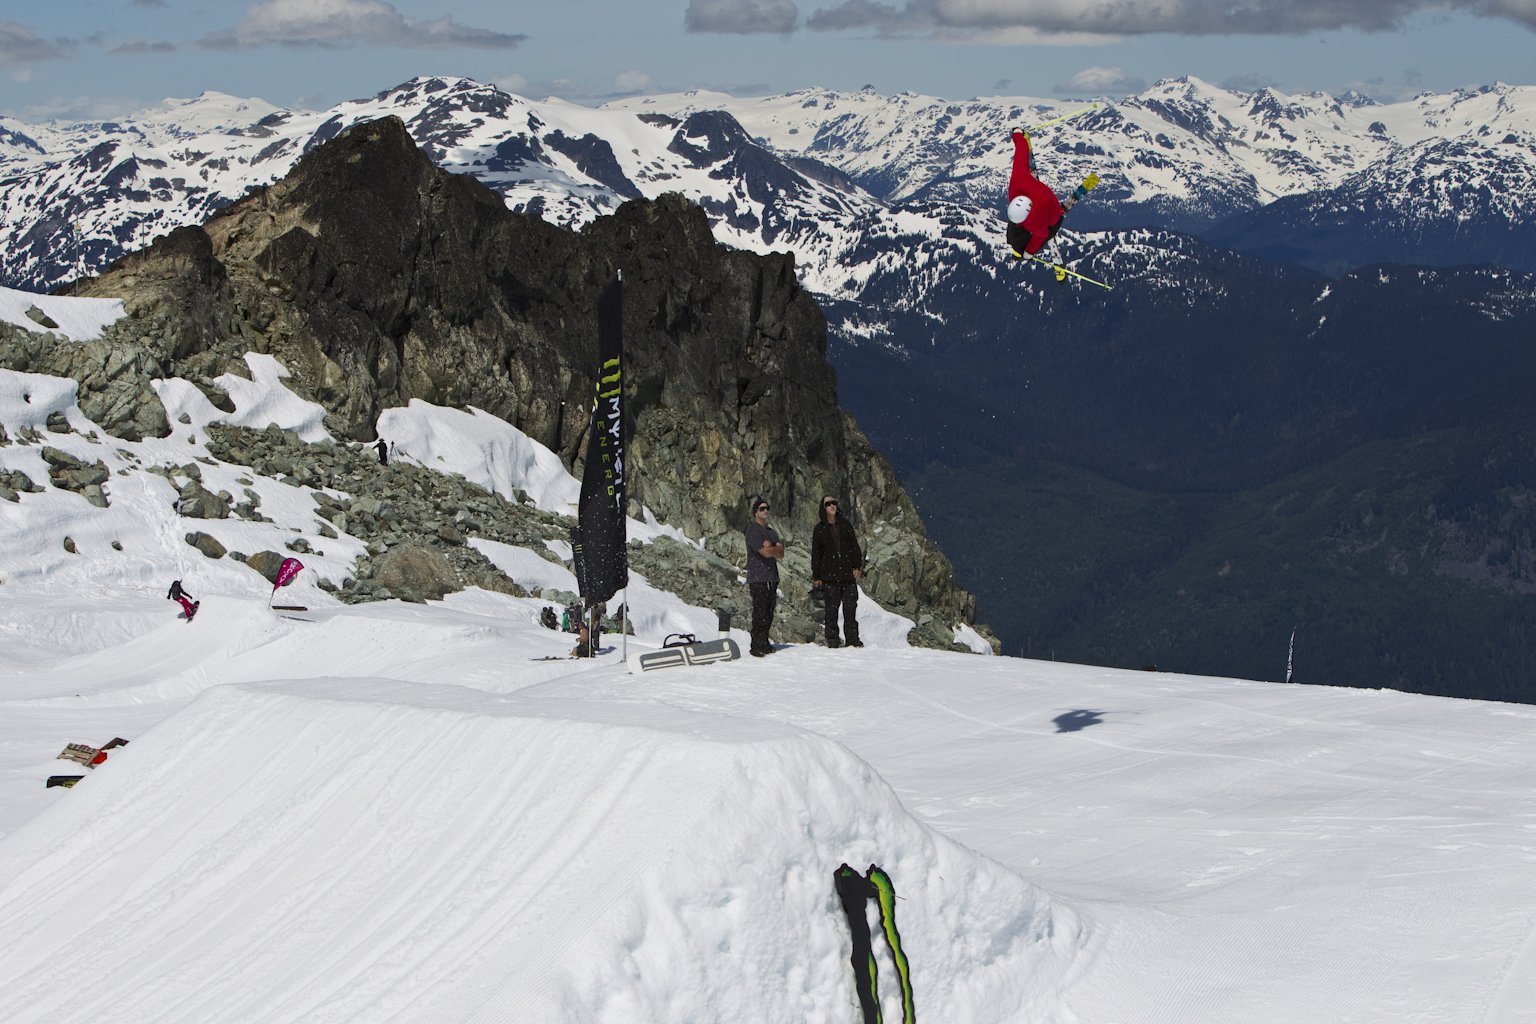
x=392, y=812
x=530, y=859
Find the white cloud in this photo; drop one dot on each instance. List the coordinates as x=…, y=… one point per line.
x=521, y=85
x=1135, y=17
x=19, y=45
x=857, y=14
x=136, y=45
x=80, y=108
x=741, y=16
x=336, y=23
x=1516, y=10
x=1388, y=90
x=1014, y=35
x=514, y=83
x=631, y=81
x=1096, y=81
x=1251, y=81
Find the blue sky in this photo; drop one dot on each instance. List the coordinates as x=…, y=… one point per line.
x=103, y=58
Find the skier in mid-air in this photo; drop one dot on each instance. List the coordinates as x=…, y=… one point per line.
x=1034, y=214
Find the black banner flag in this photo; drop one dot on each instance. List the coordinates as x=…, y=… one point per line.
x=603, y=569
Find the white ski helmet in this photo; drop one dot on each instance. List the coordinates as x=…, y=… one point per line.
x=1018, y=209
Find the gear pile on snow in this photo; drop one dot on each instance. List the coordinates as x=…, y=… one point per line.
x=84, y=754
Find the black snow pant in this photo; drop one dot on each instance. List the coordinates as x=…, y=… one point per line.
x=846, y=597
x=765, y=598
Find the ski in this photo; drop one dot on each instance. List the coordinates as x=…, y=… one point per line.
x=577, y=657
x=855, y=891
x=1062, y=272
x=885, y=896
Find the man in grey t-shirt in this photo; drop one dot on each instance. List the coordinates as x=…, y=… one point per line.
x=764, y=549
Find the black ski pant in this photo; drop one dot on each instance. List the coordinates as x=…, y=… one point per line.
x=765, y=598
x=846, y=597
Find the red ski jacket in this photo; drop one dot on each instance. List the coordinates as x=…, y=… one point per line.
x=1044, y=216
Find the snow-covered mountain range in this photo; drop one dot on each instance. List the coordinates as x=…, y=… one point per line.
x=1185, y=148
x=73, y=199
x=817, y=172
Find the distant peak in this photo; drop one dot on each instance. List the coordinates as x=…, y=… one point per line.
x=428, y=84
x=1188, y=86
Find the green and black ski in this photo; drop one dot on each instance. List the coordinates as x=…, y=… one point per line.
x=885, y=893
x=855, y=891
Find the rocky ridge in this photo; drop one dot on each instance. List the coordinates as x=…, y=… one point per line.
x=376, y=278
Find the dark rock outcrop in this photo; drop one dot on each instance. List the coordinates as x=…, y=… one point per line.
x=71, y=474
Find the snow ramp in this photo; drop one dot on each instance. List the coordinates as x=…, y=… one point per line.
x=358, y=850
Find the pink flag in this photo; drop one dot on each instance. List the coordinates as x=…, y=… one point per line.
x=287, y=571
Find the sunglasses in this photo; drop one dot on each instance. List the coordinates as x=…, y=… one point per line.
x=829, y=504
x=761, y=508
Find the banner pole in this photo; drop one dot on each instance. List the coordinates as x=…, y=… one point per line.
x=618, y=275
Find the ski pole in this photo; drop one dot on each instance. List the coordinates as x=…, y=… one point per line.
x=1063, y=117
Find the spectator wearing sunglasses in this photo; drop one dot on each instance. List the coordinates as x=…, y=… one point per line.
x=764, y=549
x=837, y=564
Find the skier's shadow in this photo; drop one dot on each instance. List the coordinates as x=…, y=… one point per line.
x=1077, y=720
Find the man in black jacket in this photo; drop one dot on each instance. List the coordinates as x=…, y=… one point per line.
x=837, y=564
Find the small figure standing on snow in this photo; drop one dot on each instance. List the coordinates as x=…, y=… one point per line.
x=383, y=452
x=179, y=594
x=764, y=550
x=1034, y=212
x=837, y=565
